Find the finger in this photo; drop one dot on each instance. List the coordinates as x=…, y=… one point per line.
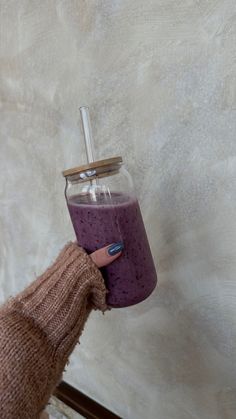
x=106, y=255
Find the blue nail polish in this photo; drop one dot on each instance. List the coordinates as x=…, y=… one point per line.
x=115, y=248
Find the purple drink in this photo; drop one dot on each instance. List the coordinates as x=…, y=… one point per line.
x=132, y=277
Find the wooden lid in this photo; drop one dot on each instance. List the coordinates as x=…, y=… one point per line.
x=93, y=165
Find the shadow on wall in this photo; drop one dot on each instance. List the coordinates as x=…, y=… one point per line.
x=195, y=347
x=179, y=357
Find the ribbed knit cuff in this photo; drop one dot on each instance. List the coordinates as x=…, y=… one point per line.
x=60, y=300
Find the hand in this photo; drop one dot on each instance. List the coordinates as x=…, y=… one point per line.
x=106, y=255
x=101, y=257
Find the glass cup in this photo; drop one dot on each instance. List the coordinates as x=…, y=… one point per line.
x=104, y=210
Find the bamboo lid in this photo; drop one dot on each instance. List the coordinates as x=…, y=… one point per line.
x=94, y=165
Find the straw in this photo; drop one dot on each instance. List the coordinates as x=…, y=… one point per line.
x=88, y=137
x=89, y=145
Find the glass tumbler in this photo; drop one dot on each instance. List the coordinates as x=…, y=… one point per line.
x=104, y=210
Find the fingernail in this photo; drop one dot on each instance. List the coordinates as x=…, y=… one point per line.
x=115, y=248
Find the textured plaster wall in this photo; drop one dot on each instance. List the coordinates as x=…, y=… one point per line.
x=159, y=76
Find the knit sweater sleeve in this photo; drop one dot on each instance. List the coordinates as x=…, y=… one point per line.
x=40, y=327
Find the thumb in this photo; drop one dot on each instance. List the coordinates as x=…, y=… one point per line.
x=106, y=255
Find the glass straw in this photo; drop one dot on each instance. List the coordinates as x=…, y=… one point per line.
x=89, y=144
x=88, y=137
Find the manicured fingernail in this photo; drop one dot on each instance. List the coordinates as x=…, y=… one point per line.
x=115, y=248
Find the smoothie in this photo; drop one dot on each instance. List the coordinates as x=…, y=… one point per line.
x=106, y=220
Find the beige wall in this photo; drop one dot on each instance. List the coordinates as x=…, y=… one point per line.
x=159, y=76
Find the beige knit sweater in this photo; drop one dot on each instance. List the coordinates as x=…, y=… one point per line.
x=39, y=329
